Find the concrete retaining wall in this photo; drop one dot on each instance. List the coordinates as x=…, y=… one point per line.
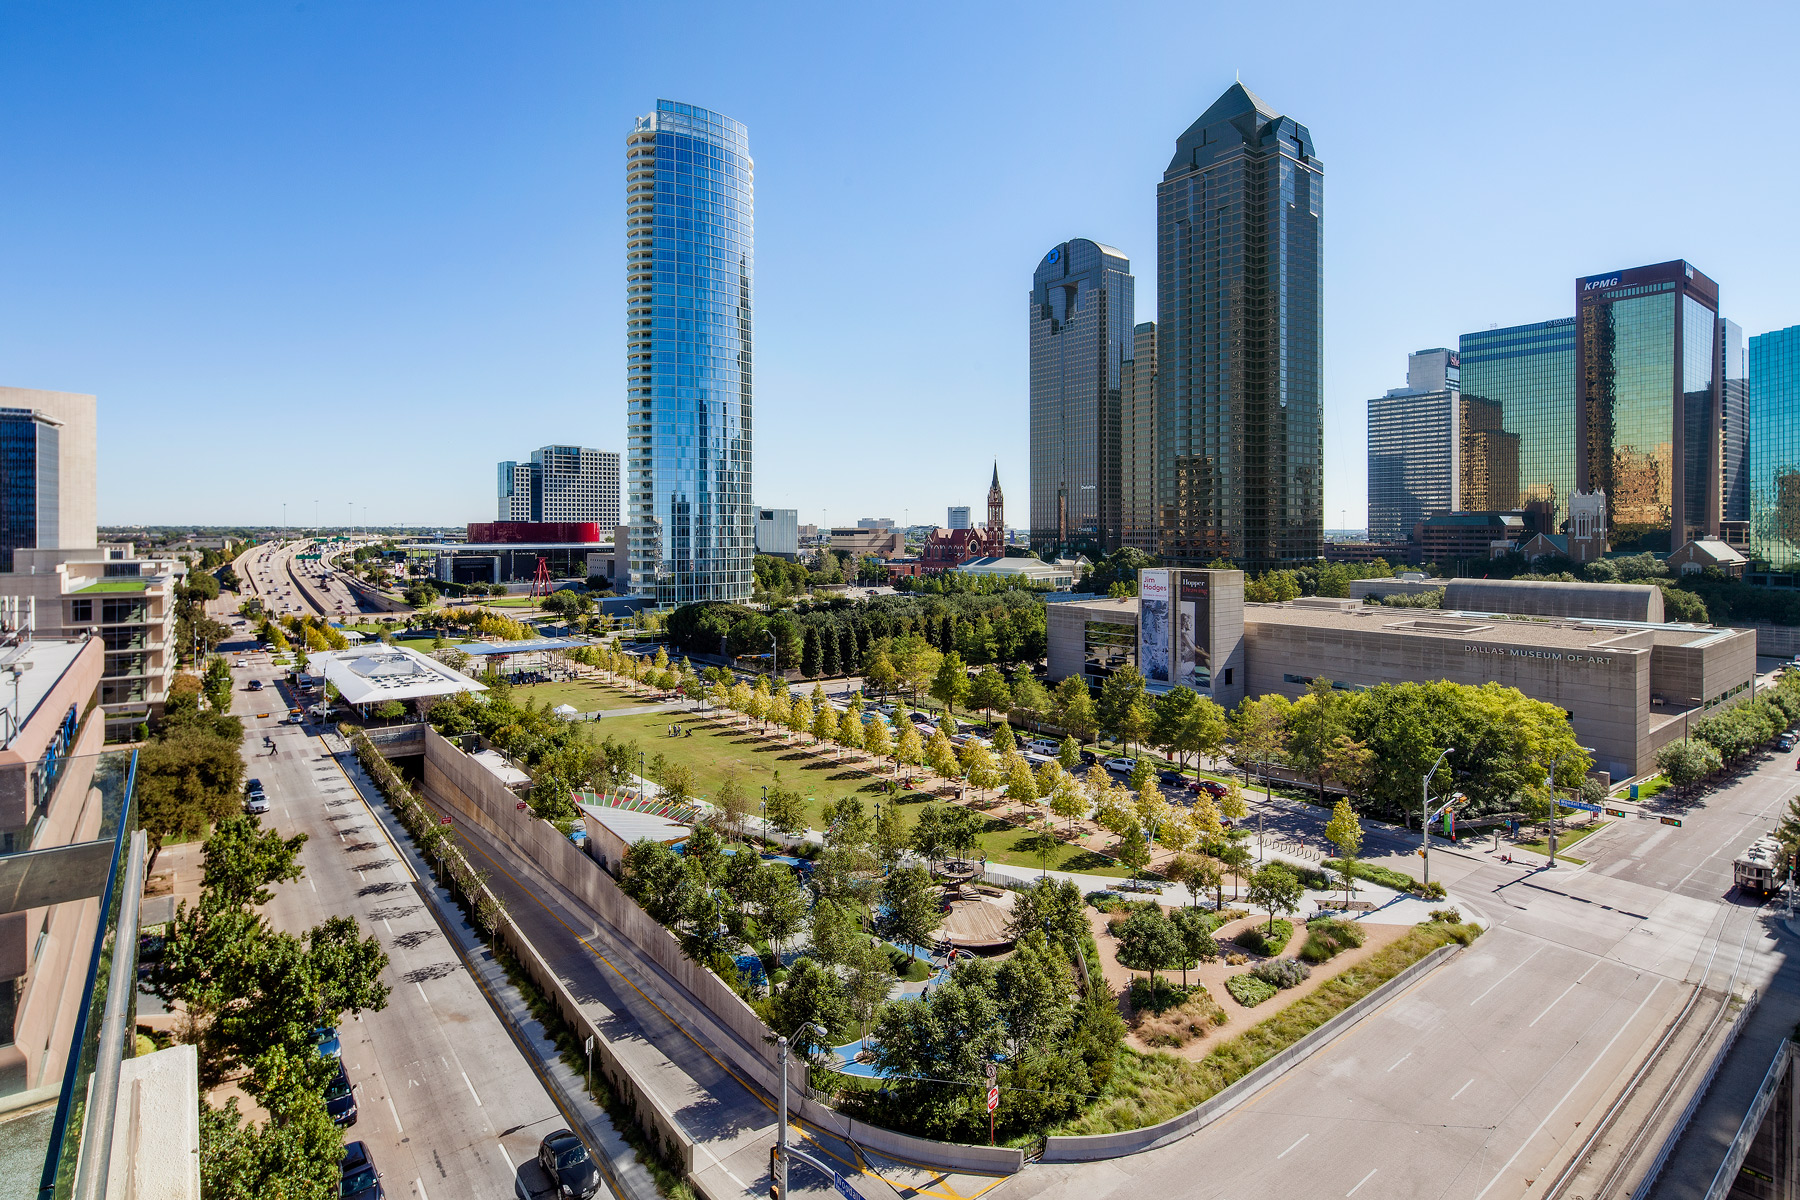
x=1781, y=641
x=703, y=1002
x=1136, y=1141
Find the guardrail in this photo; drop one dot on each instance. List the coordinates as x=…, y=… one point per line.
x=1687, y=1114
x=1759, y=1107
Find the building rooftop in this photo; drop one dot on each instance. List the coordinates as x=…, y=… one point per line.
x=380, y=673
x=490, y=648
x=1553, y=632
x=631, y=827
x=115, y=585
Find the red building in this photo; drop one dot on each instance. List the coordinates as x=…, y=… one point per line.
x=949, y=548
x=503, y=533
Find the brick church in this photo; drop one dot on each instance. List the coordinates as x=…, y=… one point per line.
x=947, y=548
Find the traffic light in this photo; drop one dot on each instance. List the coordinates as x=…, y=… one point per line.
x=774, y=1172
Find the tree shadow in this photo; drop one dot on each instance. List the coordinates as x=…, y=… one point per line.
x=1087, y=860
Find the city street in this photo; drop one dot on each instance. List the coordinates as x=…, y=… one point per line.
x=447, y=1103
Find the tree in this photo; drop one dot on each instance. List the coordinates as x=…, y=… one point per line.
x=940, y=755
x=1194, y=933
x=825, y=723
x=1686, y=762
x=1275, y=889
x=186, y=779
x=950, y=687
x=892, y=834
x=1205, y=817
x=879, y=672
x=909, y=748
x=218, y=685
x=297, y=1152
x=1003, y=739
x=1348, y=762
x=811, y=995
x=1028, y=696
x=1075, y=708
x=1147, y=942
x=915, y=663
x=1345, y=832
x=910, y=913
x=929, y=835
x=990, y=691
x=868, y=976
x=961, y=828
x=675, y=783
x=1142, y=775
x=1133, y=851
x=241, y=860
x=1021, y=784
x=1236, y=858
x=877, y=739
x=786, y=810
x=390, y=710
x=1134, y=723
x=978, y=765
x=1118, y=692
x=1067, y=800
x=733, y=803
x=1034, y=991
x=778, y=904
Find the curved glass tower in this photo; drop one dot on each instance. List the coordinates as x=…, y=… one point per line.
x=689, y=255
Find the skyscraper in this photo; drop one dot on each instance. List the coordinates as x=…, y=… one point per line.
x=1647, y=362
x=1240, y=447
x=1528, y=373
x=1734, y=434
x=1137, y=433
x=47, y=472
x=957, y=517
x=1774, y=402
x=561, y=483
x=1414, y=447
x=689, y=238
x=1080, y=322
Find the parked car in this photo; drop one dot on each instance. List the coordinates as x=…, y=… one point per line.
x=1172, y=778
x=1089, y=758
x=361, y=1181
x=566, y=1161
x=340, y=1097
x=1211, y=787
x=1786, y=741
x=1043, y=746
x=919, y=718
x=1123, y=766
x=257, y=803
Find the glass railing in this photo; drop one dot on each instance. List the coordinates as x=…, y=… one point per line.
x=77, y=868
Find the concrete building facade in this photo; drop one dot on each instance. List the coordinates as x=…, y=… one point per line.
x=778, y=531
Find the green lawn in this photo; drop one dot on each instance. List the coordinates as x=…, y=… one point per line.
x=1564, y=839
x=715, y=749
x=585, y=695
x=1649, y=788
x=114, y=585
x=424, y=644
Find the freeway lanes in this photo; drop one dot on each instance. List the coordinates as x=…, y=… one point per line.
x=446, y=1102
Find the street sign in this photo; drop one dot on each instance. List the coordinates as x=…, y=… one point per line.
x=443, y=820
x=993, y=1097
x=1675, y=821
x=1576, y=804
x=589, y=1045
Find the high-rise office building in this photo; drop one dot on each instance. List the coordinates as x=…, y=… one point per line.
x=1774, y=410
x=1649, y=402
x=957, y=517
x=1137, y=435
x=1414, y=448
x=1734, y=434
x=561, y=483
x=47, y=472
x=1240, y=444
x=689, y=237
x=1082, y=297
x=1527, y=372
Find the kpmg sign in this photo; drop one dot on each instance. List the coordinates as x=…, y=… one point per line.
x=1594, y=283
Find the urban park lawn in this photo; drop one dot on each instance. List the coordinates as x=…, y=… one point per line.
x=585, y=695
x=719, y=746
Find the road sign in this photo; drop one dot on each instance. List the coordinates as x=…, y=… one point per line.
x=993, y=1097
x=1675, y=821
x=443, y=820
x=1576, y=804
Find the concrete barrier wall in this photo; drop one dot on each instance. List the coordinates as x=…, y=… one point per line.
x=1136, y=1141
x=1781, y=641
x=657, y=1122
x=704, y=1002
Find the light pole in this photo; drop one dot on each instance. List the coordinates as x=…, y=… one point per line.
x=774, y=658
x=781, y=1130
x=1550, y=782
x=1425, y=813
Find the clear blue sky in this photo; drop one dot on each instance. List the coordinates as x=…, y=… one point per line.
x=355, y=252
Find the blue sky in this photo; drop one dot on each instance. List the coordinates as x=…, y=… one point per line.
x=336, y=254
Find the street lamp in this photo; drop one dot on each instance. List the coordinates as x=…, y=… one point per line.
x=1425, y=813
x=774, y=657
x=781, y=1129
x=1550, y=782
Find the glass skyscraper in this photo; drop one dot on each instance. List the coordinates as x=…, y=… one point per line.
x=1529, y=372
x=1734, y=430
x=689, y=266
x=1081, y=337
x=1774, y=402
x=1137, y=430
x=1239, y=416
x=1433, y=449
x=1649, y=402
x=30, y=485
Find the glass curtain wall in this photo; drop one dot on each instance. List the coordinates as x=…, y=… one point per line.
x=1775, y=450
x=1529, y=371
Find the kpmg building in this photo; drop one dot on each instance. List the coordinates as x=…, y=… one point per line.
x=1239, y=411
x=1081, y=337
x=689, y=236
x=1650, y=402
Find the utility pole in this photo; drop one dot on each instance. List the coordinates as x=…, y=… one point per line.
x=1550, y=782
x=1425, y=813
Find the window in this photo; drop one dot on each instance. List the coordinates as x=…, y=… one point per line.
x=80, y=611
x=123, y=611
x=1228, y=671
x=120, y=569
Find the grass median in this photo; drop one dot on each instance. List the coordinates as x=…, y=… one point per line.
x=1147, y=1089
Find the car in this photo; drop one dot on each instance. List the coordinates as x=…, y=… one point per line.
x=1786, y=742
x=256, y=685
x=1089, y=758
x=1171, y=778
x=571, y=1169
x=919, y=718
x=256, y=803
x=1211, y=787
x=1034, y=758
x=1123, y=766
x=340, y=1097
x=360, y=1180
x=1043, y=746
x=326, y=1039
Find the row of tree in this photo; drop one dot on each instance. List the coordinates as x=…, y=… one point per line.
x=1718, y=741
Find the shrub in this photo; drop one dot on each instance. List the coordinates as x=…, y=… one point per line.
x=1327, y=938
x=1258, y=940
x=1384, y=876
x=1313, y=878
x=1160, y=998
x=1282, y=972
x=1236, y=960
x=1179, y=1026
x=1430, y=891
x=1248, y=990
x=1448, y=915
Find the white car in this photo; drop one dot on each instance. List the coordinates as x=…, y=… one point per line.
x=1043, y=746
x=1123, y=766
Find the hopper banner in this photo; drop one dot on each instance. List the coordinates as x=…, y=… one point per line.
x=1193, y=657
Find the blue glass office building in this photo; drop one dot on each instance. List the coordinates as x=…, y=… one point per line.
x=29, y=483
x=1529, y=371
x=1775, y=450
x=689, y=266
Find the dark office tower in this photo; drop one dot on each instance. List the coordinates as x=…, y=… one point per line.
x=1081, y=337
x=30, y=455
x=1137, y=425
x=1488, y=473
x=1649, y=402
x=1240, y=444
x=1734, y=435
x=1529, y=372
x=689, y=264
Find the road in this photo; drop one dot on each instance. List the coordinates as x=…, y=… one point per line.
x=289, y=586
x=447, y=1103
x=1482, y=1077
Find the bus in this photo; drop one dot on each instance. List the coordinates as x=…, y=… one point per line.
x=1761, y=869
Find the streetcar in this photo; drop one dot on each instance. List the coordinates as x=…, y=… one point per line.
x=1761, y=868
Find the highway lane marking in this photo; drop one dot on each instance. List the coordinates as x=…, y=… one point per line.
x=1294, y=1147
x=471, y=1088
x=1462, y=1089
x=420, y=1185
x=1490, y=987
x=1358, y=1187
x=398, y=1128
x=427, y=1000
x=1579, y=1080
x=506, y=1156
x=311, y=884
x=1559, y=999
x=1397, y=1062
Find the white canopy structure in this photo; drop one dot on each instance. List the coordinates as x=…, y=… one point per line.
x=380, y=673
x=567, y=712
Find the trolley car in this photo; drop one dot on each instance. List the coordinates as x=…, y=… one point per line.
x=1761, y=868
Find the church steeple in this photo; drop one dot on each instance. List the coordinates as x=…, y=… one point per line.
x=996, y=522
